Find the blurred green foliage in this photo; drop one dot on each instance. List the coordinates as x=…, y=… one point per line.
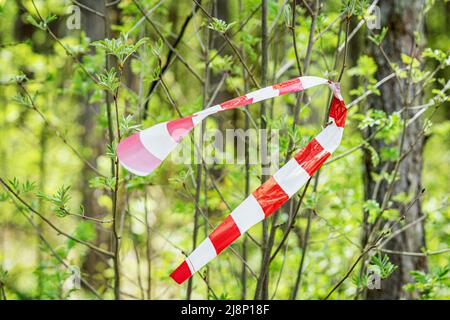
x=42, y=169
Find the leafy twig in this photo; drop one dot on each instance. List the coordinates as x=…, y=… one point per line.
x=49, y=223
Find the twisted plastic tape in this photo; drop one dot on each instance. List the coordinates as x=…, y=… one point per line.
x=272, y=194
x=144, y=151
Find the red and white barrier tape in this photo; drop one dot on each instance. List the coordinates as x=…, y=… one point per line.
x=143, y=152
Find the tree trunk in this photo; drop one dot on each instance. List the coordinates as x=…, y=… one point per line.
x=94, y=27
x=402, y=18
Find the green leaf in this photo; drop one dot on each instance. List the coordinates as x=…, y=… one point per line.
x=407, y=60
x=374, y=157
x=3, y=275
x=59, y=200
x=378, y=38
x=23, y=100
x=108, y=81
x=128, y=125
x=15, y=184
x=381, y=265
x=111, y=151
x=102, y=183
x=220, y=25
x=391, y=214
x=365, y=67
x=157, y=48
x=221, y=64
x=32, y=21
x=428, y=284
x=389, y=153
x=120, y=48
x=372, y=207
x=85, y=231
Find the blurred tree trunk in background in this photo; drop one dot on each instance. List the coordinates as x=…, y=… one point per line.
x=221, y=10
x=22, y=30
x=402, y=18
x=93, y=26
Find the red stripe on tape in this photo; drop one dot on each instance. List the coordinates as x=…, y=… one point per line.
x=312, y=156
x=338, y=112
x=289, y=86
x=180, y=127
x=224, y=234
x=134, y=155
x=181, y=273
x=270, y=196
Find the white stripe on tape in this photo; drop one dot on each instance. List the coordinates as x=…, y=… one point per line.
x=158, y=141
x=247, y=214
x=262, y=94
x=200, y=116
x=291, y=177
x=202, y=254
x=330, y=137
x=309, y=81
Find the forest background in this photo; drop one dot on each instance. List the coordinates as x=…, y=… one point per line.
x=78, y=76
